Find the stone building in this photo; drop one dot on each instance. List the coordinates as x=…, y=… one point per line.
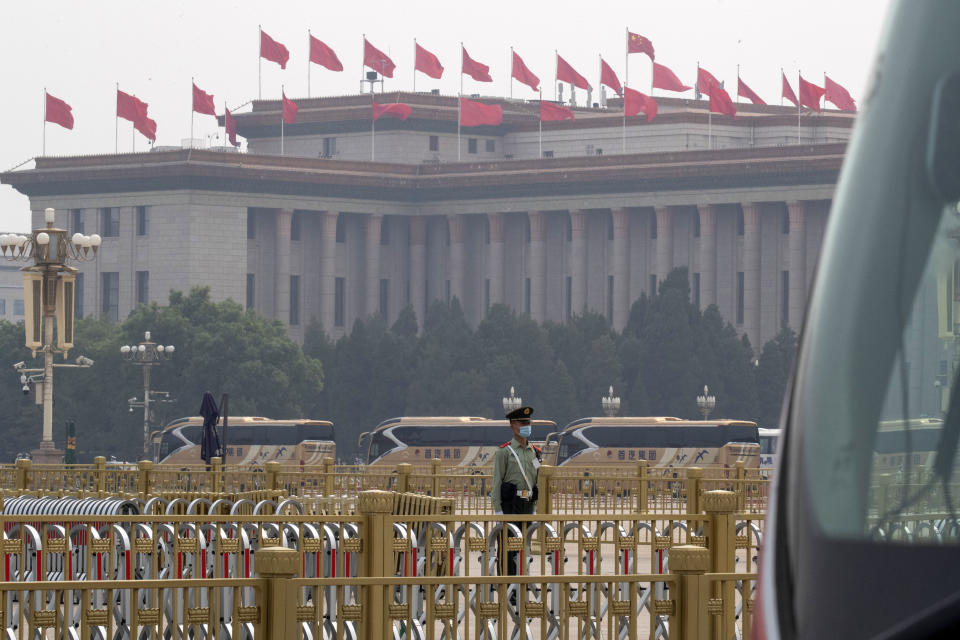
x=588, y=216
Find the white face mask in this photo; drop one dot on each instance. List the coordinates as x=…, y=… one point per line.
x=525, y=431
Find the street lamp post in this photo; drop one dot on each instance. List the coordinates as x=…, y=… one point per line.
x=147, y=354
x=511, y=402
x=610, y=403
x=706, y=402
x=49, y=293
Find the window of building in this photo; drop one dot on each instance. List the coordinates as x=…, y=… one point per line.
x=385, y=231
x=18, y=307
x=143, y=220
x=329, y=147
x=76, y=220
x=569, y=230
x=384, y=298
x=696, y=290
x=486, y=296
x=78, y=296
x=785, y=299
x=251, y=225
x=610, y=298
x=653, y=227
x=548, y=154
x=446, y=291
x=785, y=223
x=110, y=295
x=569, y=298
x=3, y=306
x=341, y=229
x=295, y=222
x=471, y=145
x=109, y=222
x=434, y=143
x=143, y=287
x=251, y=291
x=696, y=225
x=526, y=295
x=294, y=300
x=653, y=284
x=740, y=223
x=486, y=230
x=526, y=230
x=610, y=227
x=339, y=295
x=739, y=297
x=491, y=146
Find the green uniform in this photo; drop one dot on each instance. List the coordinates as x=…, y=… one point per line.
x=505, y=470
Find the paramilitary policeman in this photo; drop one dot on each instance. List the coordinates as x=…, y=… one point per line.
x=516, y=466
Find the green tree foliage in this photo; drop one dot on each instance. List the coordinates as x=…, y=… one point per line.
x=773, y=371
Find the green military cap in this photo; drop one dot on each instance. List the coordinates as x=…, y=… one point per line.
x=523, y=413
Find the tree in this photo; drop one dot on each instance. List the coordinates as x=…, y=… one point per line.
x=773, y=371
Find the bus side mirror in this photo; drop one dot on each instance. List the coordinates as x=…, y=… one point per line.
x=943, y=142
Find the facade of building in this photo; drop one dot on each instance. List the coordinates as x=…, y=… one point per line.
x=11, y=292
x=588, y=215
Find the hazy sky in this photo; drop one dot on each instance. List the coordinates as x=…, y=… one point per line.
x=79, y=51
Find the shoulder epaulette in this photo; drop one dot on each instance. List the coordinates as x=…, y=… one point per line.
x=505, y=444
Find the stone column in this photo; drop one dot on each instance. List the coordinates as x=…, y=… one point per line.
x=455, y=266
x=621, y=268
x=538, y=265
x=708, y=255
x=664, y=242
x=418, y=266
x=751, y=272
x=578, y=261
x=495, y=257
x=373, y=263
x=798, y=263
x=281, y=285
x=328, y=253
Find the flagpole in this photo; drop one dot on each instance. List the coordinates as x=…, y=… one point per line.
x=461, y=68
x=540, y=128
x=414, y=65
x=363, y=50
x=282, y=96
x=308, y=63
x=738, y=84
x=556, y=71
x=259, y=67
x=623, y=130
x=511, y=72
x=43, y=151
x=191, y=114
x=798, y=106
x=782, y=76
x=709, y=128
x=459, y=109
x=626, y=68
x=116, y=125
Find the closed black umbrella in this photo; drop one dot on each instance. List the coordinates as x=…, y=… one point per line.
x=210, y=442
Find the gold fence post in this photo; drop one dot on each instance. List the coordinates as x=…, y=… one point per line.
x=216, y=469
x=642, y=503
x=741, y=486
x=722, y=544
x=100, y=474
x=545, y=489
x=377, y=536
x=328, y=486
x=694, y=480
x=23, y=474
x=690, y=562
x=145, y=479
x=403, y=477
x=277, y=565
x=435, y=471
x=273, y=482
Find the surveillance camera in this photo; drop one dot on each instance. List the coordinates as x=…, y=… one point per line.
x=20, y=365
x=23, y=378
x=26, y=389
x=131, y=409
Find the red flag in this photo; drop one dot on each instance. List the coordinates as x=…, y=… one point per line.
x=638, y=44
x=230, y=124
x=476, y=70
x=427, y=63
x=787, y=91
x=130, y=107
x=810, y=94
x=664, y=78
x=523, y=74
x=288, y=109
x=273, y=50
x=608, y=77
x=746, y=92
x=377, y=60
x=635, y=103
x=324, y=56
x=203, y=101
x=566, y=73
x=550, y=112
x=720, y=102
x=58, y=112
x=475, y=114
x=838, y=95
x=706, y=81
x=147, y=127
x=392, y=110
